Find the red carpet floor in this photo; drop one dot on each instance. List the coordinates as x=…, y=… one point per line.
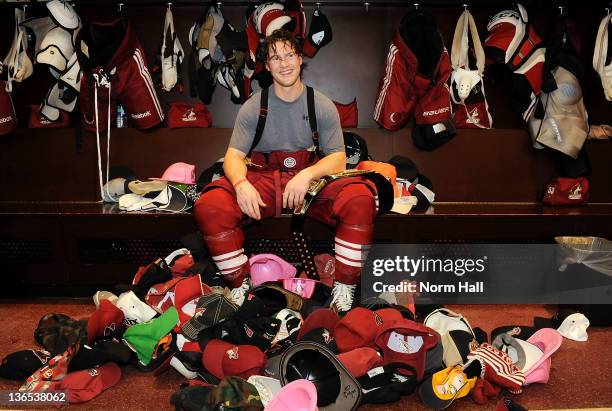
x=580, y=376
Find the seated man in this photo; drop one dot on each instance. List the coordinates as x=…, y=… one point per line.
x=287, y=150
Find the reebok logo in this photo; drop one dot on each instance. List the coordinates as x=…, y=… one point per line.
x=141, y=115
x=6, y=119
x=436, y=112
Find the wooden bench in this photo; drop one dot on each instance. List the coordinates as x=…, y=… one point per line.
x=56, y=238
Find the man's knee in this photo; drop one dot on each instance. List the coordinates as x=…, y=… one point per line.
x=355, y=204
x=216, y=209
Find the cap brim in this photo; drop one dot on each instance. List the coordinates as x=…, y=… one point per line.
x=402, y=205
x=178, y=200
x=267, y=387
x=548, y=340
x=429, y=398
x=110, y=374
x=192, y=328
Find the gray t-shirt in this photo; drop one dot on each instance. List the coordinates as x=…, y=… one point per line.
x=287, y=127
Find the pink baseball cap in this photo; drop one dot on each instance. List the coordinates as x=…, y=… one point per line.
x=269, y=267
x=298, y=395
x=548, y=340
x=179, y=173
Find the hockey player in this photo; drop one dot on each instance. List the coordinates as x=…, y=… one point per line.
x=289, y=136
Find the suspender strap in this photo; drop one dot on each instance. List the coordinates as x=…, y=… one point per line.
x=263, y=115
x=312, y=115
x=261, y=122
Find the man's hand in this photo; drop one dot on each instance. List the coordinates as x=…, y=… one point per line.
x=296, y=189
x=249, y=200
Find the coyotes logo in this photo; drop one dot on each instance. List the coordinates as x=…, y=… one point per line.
x=189, y=115
x=232, y=353
x=326, y=336
x=110, y=329
x=473, y=116
x=575, y=192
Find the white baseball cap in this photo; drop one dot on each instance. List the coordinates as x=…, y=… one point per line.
x=574, y=327
x=135, y=310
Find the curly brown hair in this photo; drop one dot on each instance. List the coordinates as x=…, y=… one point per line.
x=284, y=36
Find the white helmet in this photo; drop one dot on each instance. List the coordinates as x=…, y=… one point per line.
x=63, y=14
x=56, y=48
x=269, y=17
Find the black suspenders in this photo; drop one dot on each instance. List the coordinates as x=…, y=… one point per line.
x=263, y=115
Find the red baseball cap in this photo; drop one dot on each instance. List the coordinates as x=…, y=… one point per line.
x=406, y=341
x=180, y=266
x=186, y=295
x=359, y=327
x=360, y=360
x=82, y=386
x=104, y=322
x=223, y=359
x=319, y=318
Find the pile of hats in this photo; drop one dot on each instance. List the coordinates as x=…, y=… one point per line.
x=175, y=191
x=480, y=369
x=281, y=348
x=67, y=361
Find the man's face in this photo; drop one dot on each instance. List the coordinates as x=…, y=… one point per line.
x=284, y=64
